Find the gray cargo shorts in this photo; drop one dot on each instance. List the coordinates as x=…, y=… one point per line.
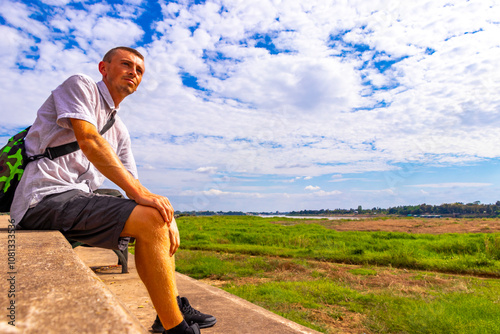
x=93, y=219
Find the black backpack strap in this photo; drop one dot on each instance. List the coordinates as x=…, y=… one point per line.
x=59, y=151
x=109, y=123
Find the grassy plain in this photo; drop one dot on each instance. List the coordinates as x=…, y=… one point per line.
x=350, y=281
x=459, y=253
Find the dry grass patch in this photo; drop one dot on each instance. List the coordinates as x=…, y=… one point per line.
x=408, y=225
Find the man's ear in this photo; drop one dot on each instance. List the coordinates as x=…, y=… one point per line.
x=103, y=68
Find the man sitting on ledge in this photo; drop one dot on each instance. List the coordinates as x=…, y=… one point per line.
x=58, y=194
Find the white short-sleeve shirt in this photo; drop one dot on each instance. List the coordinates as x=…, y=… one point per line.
x=79, y=97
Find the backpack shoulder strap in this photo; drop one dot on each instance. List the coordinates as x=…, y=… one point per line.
x=59, y=151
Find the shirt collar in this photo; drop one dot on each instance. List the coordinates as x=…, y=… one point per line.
x=103, y=89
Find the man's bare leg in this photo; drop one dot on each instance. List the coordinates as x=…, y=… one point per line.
x=155, y=266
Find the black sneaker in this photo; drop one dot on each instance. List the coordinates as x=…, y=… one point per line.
x=191, y=316
x=193, y=329
x=157, y=326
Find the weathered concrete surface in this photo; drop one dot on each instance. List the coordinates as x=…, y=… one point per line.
x=234, y=315
x=55, y=292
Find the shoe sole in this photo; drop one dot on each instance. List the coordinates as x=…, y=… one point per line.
x=206, y=325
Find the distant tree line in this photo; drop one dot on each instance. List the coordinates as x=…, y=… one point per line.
x=210, y=213
x=475, y=209
x=458, y=209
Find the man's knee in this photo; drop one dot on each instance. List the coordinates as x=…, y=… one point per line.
x=145, y=221
x=152, y=218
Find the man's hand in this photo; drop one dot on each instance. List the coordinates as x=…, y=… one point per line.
x=160, y=203
x=175, y=240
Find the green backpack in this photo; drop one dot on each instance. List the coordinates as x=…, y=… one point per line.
x=13, y=161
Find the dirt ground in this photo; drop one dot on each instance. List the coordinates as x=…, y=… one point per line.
x=410, y=225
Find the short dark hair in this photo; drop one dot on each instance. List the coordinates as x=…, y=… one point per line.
x=109, y=55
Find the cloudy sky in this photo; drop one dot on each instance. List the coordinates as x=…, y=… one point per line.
x=282, y=105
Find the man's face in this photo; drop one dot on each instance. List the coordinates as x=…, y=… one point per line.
x=122, y=74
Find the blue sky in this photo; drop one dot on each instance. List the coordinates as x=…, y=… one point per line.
x=282, y=105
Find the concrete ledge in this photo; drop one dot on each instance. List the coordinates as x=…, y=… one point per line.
x=55, y=292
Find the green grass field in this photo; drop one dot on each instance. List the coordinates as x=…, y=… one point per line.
x=472, y=254
x=356, y=282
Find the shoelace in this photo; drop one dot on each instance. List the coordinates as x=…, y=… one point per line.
x=187, y=309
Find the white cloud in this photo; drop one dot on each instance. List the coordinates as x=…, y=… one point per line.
x=207, y=170
x=312, y=188
x=111, y=31
x=11, y=43
x=56, y=2
x=452, y=185
x=218, y=192
x=323, y=193
x=300, y=83
x=303, y=106
x=341, y=180
x=18, y=15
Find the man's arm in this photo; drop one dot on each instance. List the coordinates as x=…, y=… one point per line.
x=104, y=158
